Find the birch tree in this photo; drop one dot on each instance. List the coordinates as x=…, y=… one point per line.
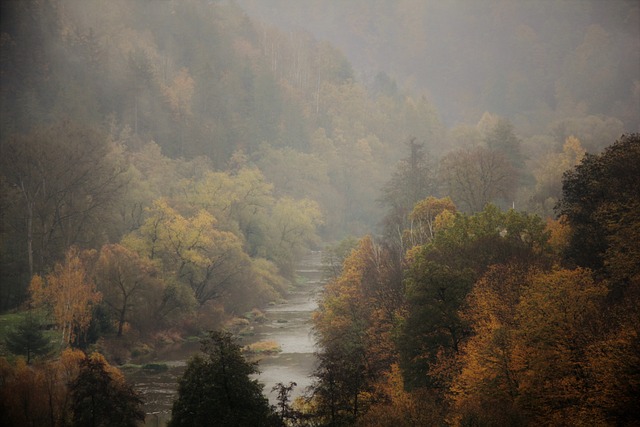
x=69, y=293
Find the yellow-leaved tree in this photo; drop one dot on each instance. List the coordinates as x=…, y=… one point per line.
x=68, y=293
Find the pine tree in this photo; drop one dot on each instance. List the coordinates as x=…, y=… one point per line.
x=27, y=339
x=216, y=389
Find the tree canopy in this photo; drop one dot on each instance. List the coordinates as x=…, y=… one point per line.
x=217, y=387
x=600, y=203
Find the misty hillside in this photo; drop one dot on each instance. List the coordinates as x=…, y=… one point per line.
x=203, y=79
x=464, y=174
x=201, y=87
x=533, y=62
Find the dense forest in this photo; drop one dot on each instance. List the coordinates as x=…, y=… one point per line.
x=165, y=165
x=492, y=318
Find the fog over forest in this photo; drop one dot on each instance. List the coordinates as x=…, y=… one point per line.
x=467, y=169
x=532, y=62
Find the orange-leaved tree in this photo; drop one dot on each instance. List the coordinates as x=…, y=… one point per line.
x=536, y=336
x=486, y=386
x=69, y=293
x=558, y=318
x=354, y=328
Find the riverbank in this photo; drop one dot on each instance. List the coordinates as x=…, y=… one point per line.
x=286, y=325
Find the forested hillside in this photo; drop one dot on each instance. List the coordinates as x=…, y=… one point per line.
x=164, y=165
x=146, y=101
x=492, y=318
x=213, y=90
x=540, y=65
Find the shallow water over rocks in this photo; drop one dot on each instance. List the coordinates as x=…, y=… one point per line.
x=288, y=324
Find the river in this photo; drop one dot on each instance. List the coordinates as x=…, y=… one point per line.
x=288, y=324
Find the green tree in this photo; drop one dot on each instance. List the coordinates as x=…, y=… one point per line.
x=216, y=388
x=101, y=397
x=191, y=249
x=440, y=275
x=502, y=138
x=292, y=231
x=240, y=200
x=433, y=327
x=27, y=338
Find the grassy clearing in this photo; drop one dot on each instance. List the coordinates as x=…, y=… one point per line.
x=129, y=367
x=10, y=321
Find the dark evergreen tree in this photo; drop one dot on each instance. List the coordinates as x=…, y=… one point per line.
x=413, y=180
x=285, y=412
x=601, y=202
x=502, y=138
x=28, y=339
x=101, y=398
x=435, y=293
x=216, y=389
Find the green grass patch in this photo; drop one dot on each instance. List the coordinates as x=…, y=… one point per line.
x=129, y=367
x=300, y=280
x=9, y=321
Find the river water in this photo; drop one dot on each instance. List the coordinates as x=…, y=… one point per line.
x=288, y=324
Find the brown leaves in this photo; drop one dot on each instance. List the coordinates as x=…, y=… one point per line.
x=528, y=352
x=39, y=394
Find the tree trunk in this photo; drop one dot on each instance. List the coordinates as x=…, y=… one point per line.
x=30, y=236
x=122, y=314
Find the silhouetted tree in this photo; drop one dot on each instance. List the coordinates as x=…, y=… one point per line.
x=601, y=202
x=217, y=389
x=475, y=177
x=285, y=412
x=101, y=397
x=503, y=139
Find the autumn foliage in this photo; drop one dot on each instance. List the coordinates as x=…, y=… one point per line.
x=69, y=293
x=73, y=390
x=500, y=319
